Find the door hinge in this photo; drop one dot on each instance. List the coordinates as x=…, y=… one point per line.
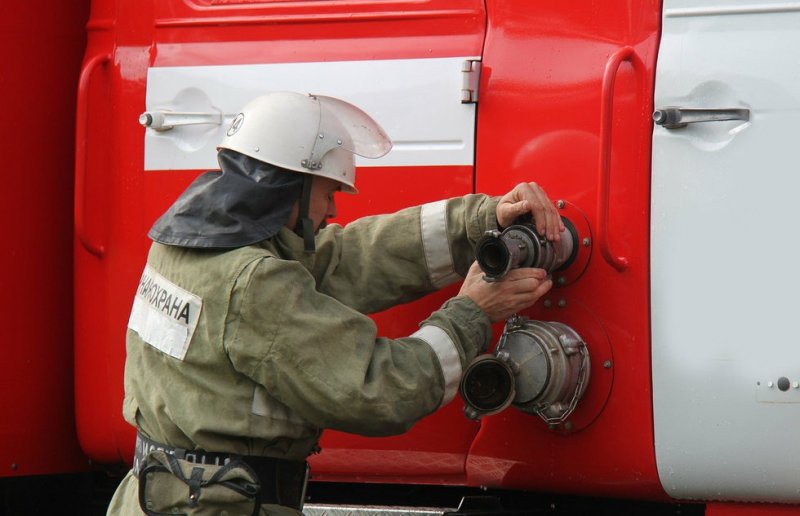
x=470, y=79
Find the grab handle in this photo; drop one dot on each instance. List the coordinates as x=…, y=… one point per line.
x=81, y=129
x=620, y=263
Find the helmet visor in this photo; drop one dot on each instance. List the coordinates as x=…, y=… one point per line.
x=344, y=125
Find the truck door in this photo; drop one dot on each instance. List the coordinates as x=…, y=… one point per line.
x=187, y=66
x=724, y=253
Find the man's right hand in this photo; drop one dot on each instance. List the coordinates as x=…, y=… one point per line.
x=517, y=290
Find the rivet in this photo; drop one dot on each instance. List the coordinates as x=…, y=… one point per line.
x=607, y=364
x=553, y=426
x=796, y=385
x=548, y=303
x=586, y=242
x=562, y=280
x=14, y=467
x=770, y=384
x=321, y=136
x=560, y=204
x=562, y=303
x=568, y=425
x=257, y=149
x=339, y=142
x=783, y=383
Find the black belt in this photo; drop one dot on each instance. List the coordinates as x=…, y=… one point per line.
x=283, y=482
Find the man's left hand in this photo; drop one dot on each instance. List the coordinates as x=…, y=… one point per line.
x=530, y=198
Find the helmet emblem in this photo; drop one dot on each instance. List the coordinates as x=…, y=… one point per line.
x=236, y=124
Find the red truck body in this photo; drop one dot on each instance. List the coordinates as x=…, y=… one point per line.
x=565, y=98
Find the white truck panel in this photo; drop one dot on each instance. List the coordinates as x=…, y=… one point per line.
x=417, y=102
x=725, y=276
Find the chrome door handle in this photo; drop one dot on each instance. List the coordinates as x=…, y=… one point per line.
x=676, y=117
x=166, y=120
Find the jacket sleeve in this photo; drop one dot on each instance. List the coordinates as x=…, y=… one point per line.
x=378, y=262
x=325, y=362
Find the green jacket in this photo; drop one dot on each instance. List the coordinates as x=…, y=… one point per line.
x=255, y=350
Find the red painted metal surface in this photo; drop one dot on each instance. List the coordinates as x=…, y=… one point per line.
x=565, y=100
x=434, y=451
x=750, y=509
x=121, y=201
x=539, y=119
x=38, y=87
x=558, y=80
x=114, y=97
x=561, y=87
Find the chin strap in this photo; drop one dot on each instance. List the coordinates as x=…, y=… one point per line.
x=305, y=227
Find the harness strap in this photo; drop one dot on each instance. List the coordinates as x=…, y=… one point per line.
x=283, y=482
x=305, y=226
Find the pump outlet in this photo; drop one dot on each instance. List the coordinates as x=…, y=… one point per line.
x=538, y=367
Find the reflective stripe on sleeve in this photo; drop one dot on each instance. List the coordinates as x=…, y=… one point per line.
x=433, y=220
x=446, y=352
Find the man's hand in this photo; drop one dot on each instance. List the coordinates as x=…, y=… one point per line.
x=530, y=198
x=518, y=289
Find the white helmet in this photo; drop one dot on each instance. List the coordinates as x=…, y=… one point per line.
x=312, y=134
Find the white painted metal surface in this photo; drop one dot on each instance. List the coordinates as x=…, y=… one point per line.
x=417, y=101
x=725, y=274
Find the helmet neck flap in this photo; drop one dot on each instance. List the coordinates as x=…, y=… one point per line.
x=245, y=202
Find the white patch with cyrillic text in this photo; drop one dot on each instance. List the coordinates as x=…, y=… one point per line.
x=163, y=314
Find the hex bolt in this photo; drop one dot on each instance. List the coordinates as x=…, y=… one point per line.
x=562, y=303
x=586, y=242
x=607, y=364
x=560, y=204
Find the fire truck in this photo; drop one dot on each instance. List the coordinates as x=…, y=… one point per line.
x=663, y=131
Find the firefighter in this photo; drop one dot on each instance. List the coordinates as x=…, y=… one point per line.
x=247, y=335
